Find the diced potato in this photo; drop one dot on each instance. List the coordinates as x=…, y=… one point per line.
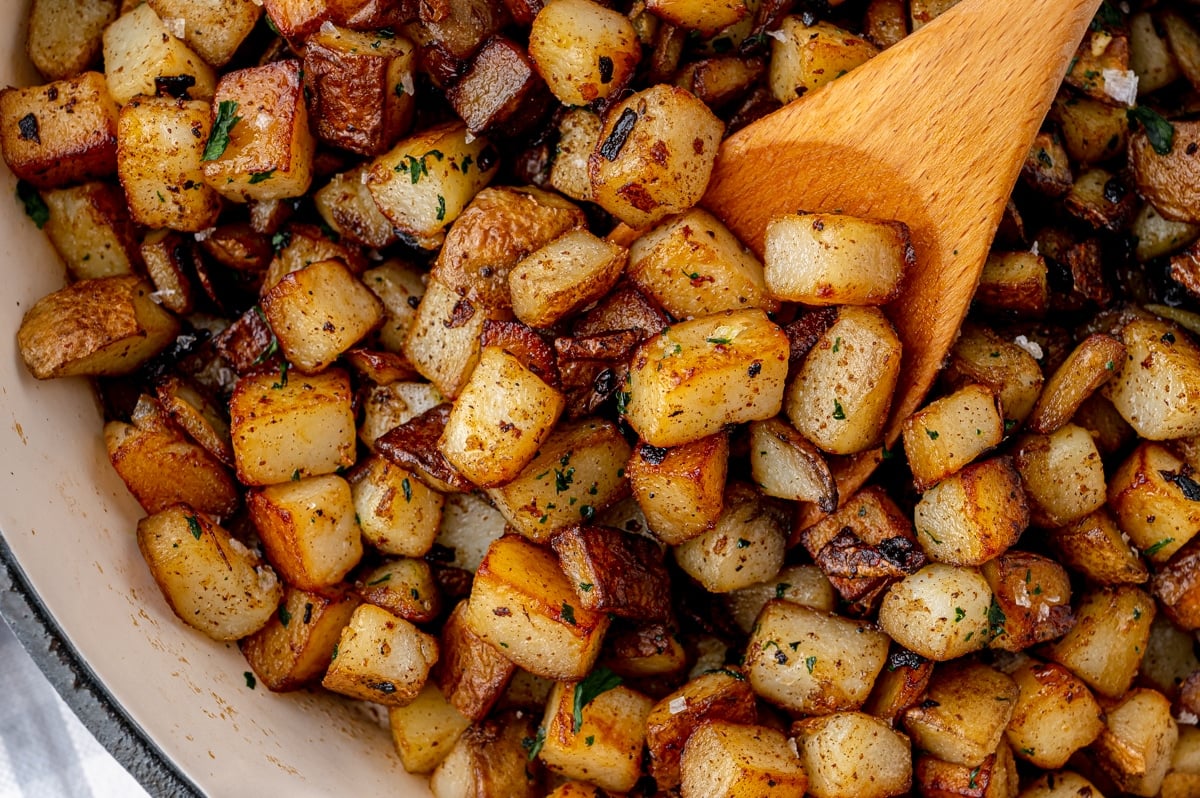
x=974, y=515
x=900, y=685
x=500, y=92
x=1158, y=390
x=1062, y=474
x=404, y=586
x=1092, y=131
x=1094, y=546
x=813, y=662
x=784, y=464
x=424, y=730
x=584, y=51
x=722, y=695
x=443, y=342
x=605, y=747
x=656, y=152
x=1014, y=281
x=210, y=580
x=501, y=418
x=697, y=376
x=91, y=229
x=1168, y=181
x=413, y=445
x=296, y=646
x=291, y=428
x=1184, y=776
x=569, y=273
x=681, y=489
x=523, y=604
x=941, y=612
x=578, y=135
x=981, y=356
x=965, y=713
x=471, y=673
x=1139, y=736
x=615, y=572
x=645, y=649
x=60, y=133
x=424, y=182
x=1154, y=499
x=1034, y=595
x=107, y=326
x=1149, y=54
x=830, y=259
x=740, y=761
x=840, y=397
x=213, y=28
x=706, y=19
x=744, y=547
x=386, y=407
x=159, y=145
x=1060, y=784
x=381, y=658
x=166, y=256
x=65, y=35
x=885, y=22
x=692, y=265
x=469, y=527
x=1170, y=659
x=269, y=149
x=1054, y=716
x=1100, y=199
x=139, y=50
x=1177, y=586
x=1104, y=648
x=301, y=245
x=197, y=415
x=799, y=584
x=1092, y=363
x=806, y=57
x=346, y=206
x=491, y=760
x=947, y=434
x=398, y=513
x=849, y=753
x=1047, y=170
x=1102, y=50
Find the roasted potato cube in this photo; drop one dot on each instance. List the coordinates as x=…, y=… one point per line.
x=744, y=547
x=645, y=649
x=1158, y=389
x=584, y=51
x=65, y=35
x=60, y=133
x=1016, y=282
x=296, y=646
x=681, y=489
x=405, y=587
x=598, y=740
x=1102, y=200
x=578, y=135
x=740, y=761
x=1170, y=180
x=1055, y=714
x=381, y=658
x=397, y=512
x=694, y=378
x=1184, y=776
x=966, y=711
x=471, y=673
x=160, y=142
x=655, y=155
x=1047, y=169
x=1093, y=131
x=386, y=407
x=840, y=397
x=443, y=342
x=1150, y=55
x=706, y=19
x=424, y=182
x=469, y=527
x=424, y=730
x=1108, y=640
x=799, y=584
x=784, y=464
x=523, y=604
x=139, y=50
x=947, y=434
x=1139, y=736
x=1034, y=595
x=500, y=419
x=885, y=22
x=490, y=760
x=983, y=357
x=1095, y=547
x=362, y=87
x=941, y=612
x=1154, y=499
x=615, y=572
x=569, y=273
x=1062, y=474
x=413, y=446
x=1100, y=68
x=849, y=753
x=813, y=662
x=91, y=229
x=830, y=259
x=290, y=428
x=106, y=326
x=722, y=695
x=1091, y=364
x=692, y=265
x=500, y=92
x=201, y=418
x=1060, y=784
x=1177, y=587
x=210, y=580
x=399, y=287
x=806, y=57
x=214, y=29
x=268, y=151
x=346, y=205
x=900, y=685
x=300, y=245
x=974, y=515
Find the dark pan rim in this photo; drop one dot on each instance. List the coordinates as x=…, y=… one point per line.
x=79, y=687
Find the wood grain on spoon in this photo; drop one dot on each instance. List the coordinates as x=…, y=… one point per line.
x=933, y=132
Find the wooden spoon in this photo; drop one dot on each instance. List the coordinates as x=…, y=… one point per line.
x=933, y=132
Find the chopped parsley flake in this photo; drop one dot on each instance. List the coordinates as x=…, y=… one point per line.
x=218, y=140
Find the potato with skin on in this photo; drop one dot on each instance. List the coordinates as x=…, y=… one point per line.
x=381, y=658
x=740, y=761
x=967, y=709
x=1108, y=640
x=705, y=18
x=616, y=572
x=722, y=695
x=1095, y=547
x=523, y=604
x=606, y=748
x=1062, y=473
x=831, y=259
x=1154, y=499
x=800, y=584
x=1091, y=364
x=1168, y=181
x=949, y=433
x=59, y=133
x=443, y=341
x=346, y=205
x=269, y=154
x=565, y=275
x=490, y=760
x=941, y=612
x=692, y=379
x=208, y=578
x=744, y=547
x=584, y=51
x=680, y=489
x=1177, y=586
x=500, y=92
x=995, y=776
x=1034, y=595
x=426, y=729
x=296, y=645
x=853, y=754
x=404, y=586
x=973, y=515
x=578, y=135
x=807, y=57
x=692, y=265
x=386, y=407
x=643, y=649
x=103, y=327
x=840, y=397
x=304, y=245
x=1093, y=131
x=656, y=153
x=139, y=50
x=214, y=29
x=471, y=673
x=92, y=231
x=397, y=512
x=1060, y=784
x=1054, y=716
x=812, y=662
x=982, y=357
x=900, y=685
x=786, y=465
x=1158, y=389
x=1134, y=749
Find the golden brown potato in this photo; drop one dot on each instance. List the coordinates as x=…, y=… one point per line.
x=91, y=228
x=805, y=57
x=491, y=760
x=1095, y=547
x=947, y=434
x=584, y=51
x=983, y=357
x=1034, y=595
x=214, y=29
x=1177, y=586
x=405, y=587
x=139, y=50
x=941, y=612
x=972, y=516
x=680, y=489
x=849, y=753
x=425, y=730
x=900, y=685
x=1169, y=180
x=740, y=761
x=1158, y=357
x=1151, y=495
x=1054, y=715
x=1062, y=474
x=296, y=646
x=744, y=547
x=965, y=713
x=380, y=658
x=471, y=673
x=785, y=465
x=565, y=275
x=1108, y=640
x=598, y=740
x=65, y=35
x=1139, y=736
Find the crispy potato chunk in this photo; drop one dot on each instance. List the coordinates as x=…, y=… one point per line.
x=139, y=50
x=740, y=761
x=1154, y=499
x=1095, y=547
x=786, y=465
x=1135, y=747
x=426, y=729
x=681, y=489
x=398, y=513
x=65, y=35
x=569, y=273
x=381, y=658
x=941, y=612
x=404, y=586
x=615, y=571
x=214, y=29
x=471, y=673
x=849, y=753
x=721, y=695
x=605, y=747
x=490, y=760
x=1169, y=181
x=1054, y=716
x=744, y=547
x=807, y=57
x=1062, y=474
x=1034, y=594
x=983, y=357
x=1108, y=640
x=949, y=433
x=296, y=646
x=91, y=228
x=974, y=515
x=1177, y=586
x=1158, y=389
x=967, y=708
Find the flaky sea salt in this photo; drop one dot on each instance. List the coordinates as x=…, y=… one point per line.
x=1031, y=347
x=677, y=705
x=1121, y=85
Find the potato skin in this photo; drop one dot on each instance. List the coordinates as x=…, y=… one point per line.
x=1171, y=181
